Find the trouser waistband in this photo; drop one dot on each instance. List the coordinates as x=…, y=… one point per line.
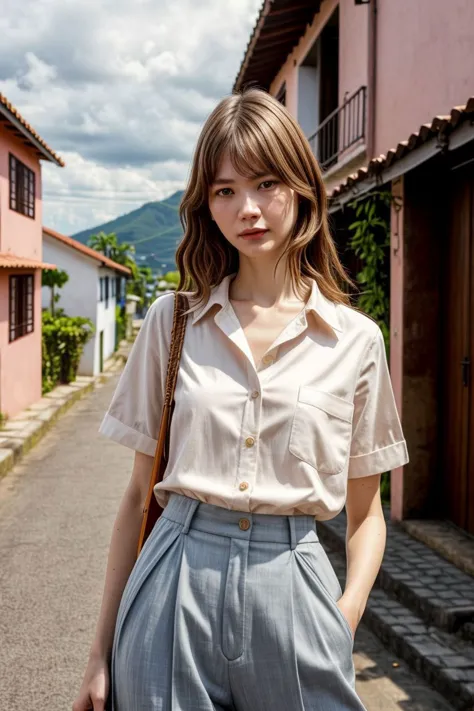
x=192, y=513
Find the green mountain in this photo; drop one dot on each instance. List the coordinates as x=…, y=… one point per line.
x=154, y=229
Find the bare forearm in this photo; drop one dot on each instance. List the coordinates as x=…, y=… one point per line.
x=121, y=559
x=365, y=545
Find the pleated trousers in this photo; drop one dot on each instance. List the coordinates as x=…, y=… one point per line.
x=231, y=611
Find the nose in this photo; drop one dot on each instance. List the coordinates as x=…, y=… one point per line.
x=249, y=208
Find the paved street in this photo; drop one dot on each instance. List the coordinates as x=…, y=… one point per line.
x=56, y=514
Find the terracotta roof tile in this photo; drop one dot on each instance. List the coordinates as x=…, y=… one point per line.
x=88, y=251
x=12, y=261
x=440, y=126
x=10, y=111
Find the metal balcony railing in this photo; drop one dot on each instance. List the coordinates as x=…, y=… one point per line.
x=341, y=129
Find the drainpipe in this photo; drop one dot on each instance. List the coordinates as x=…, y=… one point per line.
x=371, y=77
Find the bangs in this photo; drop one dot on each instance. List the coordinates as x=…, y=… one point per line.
x=248, y=152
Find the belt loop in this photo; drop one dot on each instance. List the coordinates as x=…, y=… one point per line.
x=193, y=504
x=293, y=538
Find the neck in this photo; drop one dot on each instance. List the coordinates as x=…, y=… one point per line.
x=261, y=284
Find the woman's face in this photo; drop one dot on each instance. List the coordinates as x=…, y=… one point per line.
x=239, y=204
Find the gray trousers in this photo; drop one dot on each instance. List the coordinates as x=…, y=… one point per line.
x=229, y=611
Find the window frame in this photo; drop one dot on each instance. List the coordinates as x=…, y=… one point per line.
x=21, y=306
x=22, y=187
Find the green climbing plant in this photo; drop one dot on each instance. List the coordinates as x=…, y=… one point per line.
x=370, y=242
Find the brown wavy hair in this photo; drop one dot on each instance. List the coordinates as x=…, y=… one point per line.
x=261, y=136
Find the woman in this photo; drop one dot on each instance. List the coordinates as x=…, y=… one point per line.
x=284, y=414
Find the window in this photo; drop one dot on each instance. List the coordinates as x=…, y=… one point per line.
x=106, y=279
x=21, y=313
x=113, y=286
x=22, y=188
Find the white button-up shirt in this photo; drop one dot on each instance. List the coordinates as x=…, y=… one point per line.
x=282, y=437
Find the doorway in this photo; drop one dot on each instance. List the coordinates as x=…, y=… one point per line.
x=457, y=401
x=101, y=351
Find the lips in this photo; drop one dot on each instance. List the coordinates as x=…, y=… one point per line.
x=253, y=235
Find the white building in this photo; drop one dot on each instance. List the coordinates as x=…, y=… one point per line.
x=96, y=284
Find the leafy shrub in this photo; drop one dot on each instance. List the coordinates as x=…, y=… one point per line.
x=63, y=341
x=120, y=324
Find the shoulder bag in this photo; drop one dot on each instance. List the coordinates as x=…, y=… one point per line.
x=152, y=510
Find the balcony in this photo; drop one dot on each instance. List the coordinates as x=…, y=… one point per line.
x=341, y=130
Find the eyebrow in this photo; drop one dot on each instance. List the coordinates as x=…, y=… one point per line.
x=226, y=181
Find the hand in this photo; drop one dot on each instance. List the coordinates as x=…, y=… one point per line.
x=94, y=691
x=351, y=612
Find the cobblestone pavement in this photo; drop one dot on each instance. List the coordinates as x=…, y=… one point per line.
x=57, y=509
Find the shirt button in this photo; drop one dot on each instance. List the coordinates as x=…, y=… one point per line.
x=244, y=524
x=255, y=394
x=249, y=442
x=267, y=359
x=243, y=485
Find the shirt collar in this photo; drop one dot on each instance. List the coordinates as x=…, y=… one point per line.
x=317, y=302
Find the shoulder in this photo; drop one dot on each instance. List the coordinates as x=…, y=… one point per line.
x=359, y=325
x=158, y=322
x=160, y=311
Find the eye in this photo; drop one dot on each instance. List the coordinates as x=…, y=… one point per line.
x=219, y=192
x=269, y=183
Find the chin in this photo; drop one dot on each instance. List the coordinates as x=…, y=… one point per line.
x=257, y=247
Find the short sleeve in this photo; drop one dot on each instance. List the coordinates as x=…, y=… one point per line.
x=377, y=443
x=134, y=414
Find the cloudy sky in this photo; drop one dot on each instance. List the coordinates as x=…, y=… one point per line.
x=120, y=89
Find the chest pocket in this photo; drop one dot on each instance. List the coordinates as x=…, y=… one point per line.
x=321, y=430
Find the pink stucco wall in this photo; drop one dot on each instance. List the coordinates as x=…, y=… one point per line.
x=424, y=64
x=352, y=51
x=20, y=361
x=353, y=72
x=289, y=71
x=19, y=234
x=353, y=47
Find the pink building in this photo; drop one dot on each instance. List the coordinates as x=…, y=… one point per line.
x=381, y=89
x=21, y=150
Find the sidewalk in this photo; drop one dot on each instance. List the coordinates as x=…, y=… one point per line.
x=20, y=433
x=421, y=608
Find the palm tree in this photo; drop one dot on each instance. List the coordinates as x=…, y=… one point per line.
x=120, y=252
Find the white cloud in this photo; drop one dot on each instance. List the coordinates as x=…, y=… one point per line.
x=120, y=90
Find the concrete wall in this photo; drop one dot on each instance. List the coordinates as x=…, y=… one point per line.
x=19, y=234
x=424, y=64
x=80, y=297
x=20, y=361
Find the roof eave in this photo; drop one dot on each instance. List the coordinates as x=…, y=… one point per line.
x=31, y=138
x=267, y=12
x=459, y=136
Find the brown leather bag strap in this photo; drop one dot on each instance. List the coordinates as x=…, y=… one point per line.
x=151, y=510
x=176, y=346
